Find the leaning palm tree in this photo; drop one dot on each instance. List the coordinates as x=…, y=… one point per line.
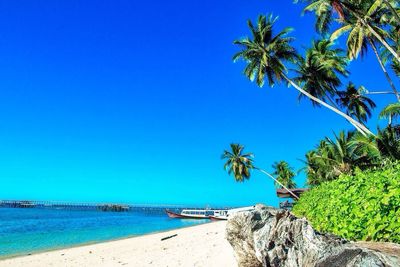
x=360, y=37
x=356, y=104
x=284, y=173
x=240, y=165
x=266, y=55
x=318, y=73
x=346, y=10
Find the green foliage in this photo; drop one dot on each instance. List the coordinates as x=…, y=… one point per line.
x=238, y=162
x=266, y=53
x=355, y=103
x=391, y=111
x=320, y=70
x=365, y=206
x=349, y=151
x=284, y=174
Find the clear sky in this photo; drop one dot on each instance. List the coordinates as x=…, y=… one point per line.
x=134, y=101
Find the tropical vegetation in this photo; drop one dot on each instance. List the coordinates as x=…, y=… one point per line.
x=341, y=170
x=284, y=174
x=240, y=164
x=363, y=206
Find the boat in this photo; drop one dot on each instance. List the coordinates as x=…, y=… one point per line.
x=219, y=215
x=190, y=214
x=215, y=215
x=224, y=214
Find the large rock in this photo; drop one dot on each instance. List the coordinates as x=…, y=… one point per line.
x=275, y=237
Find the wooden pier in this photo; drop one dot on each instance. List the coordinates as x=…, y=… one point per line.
x=62, y=205
x=101, y=206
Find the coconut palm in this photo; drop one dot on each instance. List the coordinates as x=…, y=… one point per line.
x=391, y=111
x=284, y=174
x=356, y=104
x=347, y=151
x=386, y=145
x=360, y=37
x=388, y=142
x=348, y=11
x=266, y=55
x=387, y=57
x=240, y=164
x=318, y=73
x=320, y=165
x=312, y=169
x=341, y=155
x=366, y=149
x=392, y=5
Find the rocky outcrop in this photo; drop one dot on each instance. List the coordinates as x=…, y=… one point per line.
x=276, y=238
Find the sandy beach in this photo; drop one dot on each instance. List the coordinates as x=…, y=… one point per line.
x=202, y=245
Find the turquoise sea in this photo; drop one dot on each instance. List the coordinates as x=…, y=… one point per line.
x=24, y=231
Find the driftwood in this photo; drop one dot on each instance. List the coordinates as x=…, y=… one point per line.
x=168, y=237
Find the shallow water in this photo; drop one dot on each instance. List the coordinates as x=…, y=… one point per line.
x=23, y=231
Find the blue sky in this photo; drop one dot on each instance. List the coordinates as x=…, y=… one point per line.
x=134, y=101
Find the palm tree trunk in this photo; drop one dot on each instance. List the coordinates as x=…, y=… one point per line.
x=335, y=106
x=377, y=35
x=393, y=10
x=360, y=127
x=379, y=93
x=384, y=69
x=273, y=178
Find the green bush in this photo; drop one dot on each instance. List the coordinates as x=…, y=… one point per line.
x=364, y=206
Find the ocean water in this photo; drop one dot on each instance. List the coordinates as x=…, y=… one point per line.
x=24, y=231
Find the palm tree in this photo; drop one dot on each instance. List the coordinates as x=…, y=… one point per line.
x=333, y=157
x=318, y=72
x=359, y=36
x=341, y=152
x=240, y=164
x=284, y=174
x=319, y=165
x=346, y=11
x=386, y=145
x=387, y=57
x=312, y=169
x=391, y=5
x=388, y=142
x=391, y=111
x=266, y=55
x=356, y=105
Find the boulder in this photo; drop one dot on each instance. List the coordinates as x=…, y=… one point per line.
x=274, y=237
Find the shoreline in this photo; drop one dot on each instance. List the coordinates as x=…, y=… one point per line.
x=89, y=243
x=197, y=245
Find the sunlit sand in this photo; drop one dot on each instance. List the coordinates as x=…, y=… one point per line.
x=202, y=245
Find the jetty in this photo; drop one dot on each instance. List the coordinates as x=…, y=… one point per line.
x=101, y=206
x=65, y=205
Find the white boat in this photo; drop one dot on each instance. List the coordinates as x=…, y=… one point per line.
x=197, y=213
x=224, y=214
x=191, y=214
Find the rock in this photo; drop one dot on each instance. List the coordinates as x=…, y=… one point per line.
x=276, y=238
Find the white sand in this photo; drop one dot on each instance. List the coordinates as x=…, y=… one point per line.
x=202, y=245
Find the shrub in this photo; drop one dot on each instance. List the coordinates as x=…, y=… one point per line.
x=363, y=206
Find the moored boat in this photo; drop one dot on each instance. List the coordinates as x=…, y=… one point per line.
x=190, y=214
x=215, y=215
x=224, y=214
